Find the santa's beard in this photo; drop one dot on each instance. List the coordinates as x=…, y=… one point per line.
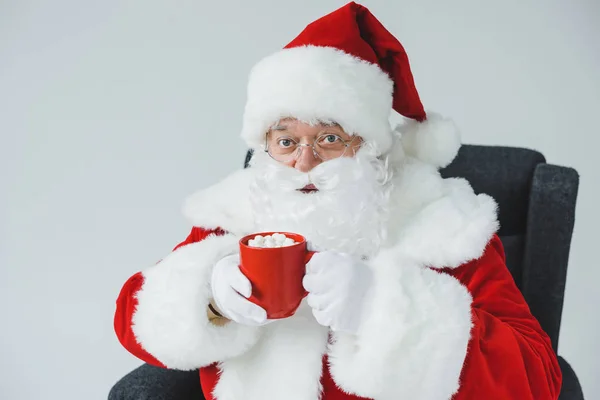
x=348, y=213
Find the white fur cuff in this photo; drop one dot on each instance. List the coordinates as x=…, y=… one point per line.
x=414, y=342
x=170, y=321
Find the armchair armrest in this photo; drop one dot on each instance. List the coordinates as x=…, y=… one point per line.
x=571, y=388
x=550, y=221
x=148, y=382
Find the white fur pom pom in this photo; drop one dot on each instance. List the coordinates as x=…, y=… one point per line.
x=434, y=141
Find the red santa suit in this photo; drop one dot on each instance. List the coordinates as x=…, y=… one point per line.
x=446, y=321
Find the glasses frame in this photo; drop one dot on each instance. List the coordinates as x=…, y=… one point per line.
x=298, y=151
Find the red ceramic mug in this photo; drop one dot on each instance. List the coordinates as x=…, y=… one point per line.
x=276, y=274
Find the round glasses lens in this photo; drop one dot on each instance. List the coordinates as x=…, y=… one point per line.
x=282, y=148
x=330, y=146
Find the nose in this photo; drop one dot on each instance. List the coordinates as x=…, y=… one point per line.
x=306, y=160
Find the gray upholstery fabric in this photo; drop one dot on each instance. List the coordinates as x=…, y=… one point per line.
x=153, y=383
x=550, y=222
x=571, y=388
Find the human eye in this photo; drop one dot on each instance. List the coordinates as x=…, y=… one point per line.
x=285, y=142
x=329, y=139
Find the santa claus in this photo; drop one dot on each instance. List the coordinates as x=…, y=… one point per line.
x=408, y=297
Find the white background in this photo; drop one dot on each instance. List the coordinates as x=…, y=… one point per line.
x=111, y=112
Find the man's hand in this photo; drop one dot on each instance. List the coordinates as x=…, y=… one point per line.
x=231, y=290
x=339, y=288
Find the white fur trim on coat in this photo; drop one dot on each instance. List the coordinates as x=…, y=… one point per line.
x=170, y=321
x=285, y=364
x=435, y=222
x=225, y=204
x=319, y=83
x=414, y=341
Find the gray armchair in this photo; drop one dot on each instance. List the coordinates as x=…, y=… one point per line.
x=537, y=212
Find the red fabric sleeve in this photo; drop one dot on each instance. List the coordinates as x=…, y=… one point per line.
x=509, y=355
x=127, y=303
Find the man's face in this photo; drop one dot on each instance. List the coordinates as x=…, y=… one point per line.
x=336, y=196
x=303, y=146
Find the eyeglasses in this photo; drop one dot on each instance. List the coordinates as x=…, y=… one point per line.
x=327, y=146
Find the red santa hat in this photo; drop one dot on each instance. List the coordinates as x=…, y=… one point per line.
x=348, y=68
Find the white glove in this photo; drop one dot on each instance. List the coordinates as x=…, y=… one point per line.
x=340, y=290
x=231, y=290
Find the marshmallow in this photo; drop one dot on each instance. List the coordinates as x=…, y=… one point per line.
x=271, y=241
x=288, y=242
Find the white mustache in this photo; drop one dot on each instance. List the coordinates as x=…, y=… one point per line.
x=326, y=176
x=288, y=179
